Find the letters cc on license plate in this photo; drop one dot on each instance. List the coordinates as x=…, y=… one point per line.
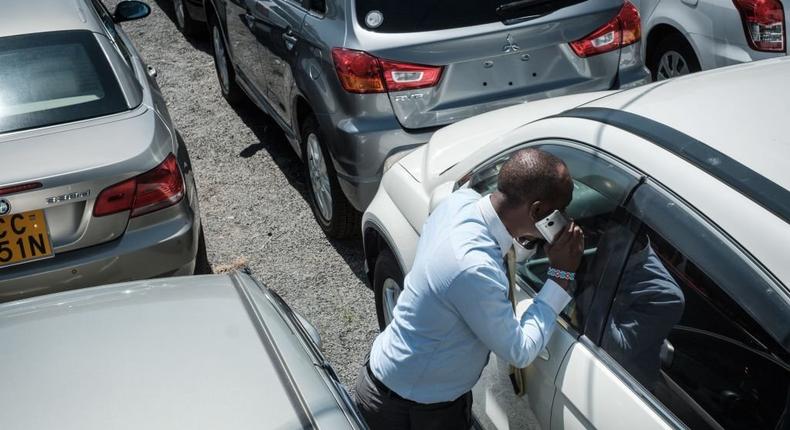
x=24, y=237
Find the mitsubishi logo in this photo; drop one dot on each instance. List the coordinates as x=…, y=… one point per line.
x=5, y=207
x=510, y=46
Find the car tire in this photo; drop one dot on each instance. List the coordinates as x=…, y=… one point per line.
x=387, y=286
x=184, y=22
x=330, y=206
x=226, y=74
x=202, y=265
x=673, y=56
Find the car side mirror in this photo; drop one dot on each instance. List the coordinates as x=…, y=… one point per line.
x=130, y=10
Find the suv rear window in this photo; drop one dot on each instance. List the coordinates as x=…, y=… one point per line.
x=406, y=16
x=53, y=78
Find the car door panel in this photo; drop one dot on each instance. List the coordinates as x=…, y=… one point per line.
x=717, y=360
x=280, y=22
x=590, y=395
x=496, y=404
x=243, y=42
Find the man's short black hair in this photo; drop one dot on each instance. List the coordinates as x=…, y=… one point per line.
x=530, y=175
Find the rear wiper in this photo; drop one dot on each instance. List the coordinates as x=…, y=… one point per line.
x=532, y=8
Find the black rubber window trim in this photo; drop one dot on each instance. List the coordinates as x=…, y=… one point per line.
x=746, y=181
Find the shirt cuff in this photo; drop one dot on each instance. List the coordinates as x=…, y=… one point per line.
x=554, y=296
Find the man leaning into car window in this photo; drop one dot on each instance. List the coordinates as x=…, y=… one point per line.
x=454, y=309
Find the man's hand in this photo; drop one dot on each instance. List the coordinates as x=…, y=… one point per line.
x=566, y=251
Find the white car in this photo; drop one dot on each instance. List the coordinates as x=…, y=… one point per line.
x=683, y=191
x=685, y=36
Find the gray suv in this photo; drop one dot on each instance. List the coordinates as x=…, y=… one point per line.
x=355, y=84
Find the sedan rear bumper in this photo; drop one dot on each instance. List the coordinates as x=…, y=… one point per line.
x=164, y=248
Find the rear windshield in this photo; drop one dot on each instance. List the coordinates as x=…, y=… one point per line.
x=53, y=78
x=405, y=16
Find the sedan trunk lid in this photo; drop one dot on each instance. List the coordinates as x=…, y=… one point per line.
x=73, y=163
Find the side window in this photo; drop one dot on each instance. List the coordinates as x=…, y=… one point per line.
x=316, y=6
x=599, y=189
x=677, y=326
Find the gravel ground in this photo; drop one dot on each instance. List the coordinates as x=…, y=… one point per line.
x=253, y=196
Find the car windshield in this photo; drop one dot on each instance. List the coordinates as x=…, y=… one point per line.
x=53, y=78
x=404, y=16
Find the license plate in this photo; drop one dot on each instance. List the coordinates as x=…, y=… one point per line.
x=24, y=237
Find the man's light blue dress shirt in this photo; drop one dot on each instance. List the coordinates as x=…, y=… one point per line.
x=454, y=308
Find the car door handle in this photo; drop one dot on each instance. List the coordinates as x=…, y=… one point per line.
x=290, y=39
x=690, y=2
x=544, y=354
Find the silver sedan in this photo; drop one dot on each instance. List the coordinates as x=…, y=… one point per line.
x=96, y=185
x=203, y=352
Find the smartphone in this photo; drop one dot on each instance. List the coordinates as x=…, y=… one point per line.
x=551, y=225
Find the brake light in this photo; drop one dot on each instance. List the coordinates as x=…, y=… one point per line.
x=117, y=198
x=763, y=23
x=19, y=188
x=623, y=30
x=405, y=76
x=362, y=73
x=359, y=72
x=155, y=189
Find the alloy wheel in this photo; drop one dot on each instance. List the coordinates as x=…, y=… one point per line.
x=319, y=177
x=221, y=59
x=178, y=5
x=390, y=292
x=672, y=64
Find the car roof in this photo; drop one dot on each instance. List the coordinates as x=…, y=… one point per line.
x=36, y=16
x=740, y=111
x=172, y=353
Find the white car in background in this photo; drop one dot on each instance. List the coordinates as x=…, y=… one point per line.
x=686, y=36
x=682, y=188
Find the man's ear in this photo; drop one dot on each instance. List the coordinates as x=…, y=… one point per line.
x=535, y=210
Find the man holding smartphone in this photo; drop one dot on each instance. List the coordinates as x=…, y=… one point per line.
x=454, y=309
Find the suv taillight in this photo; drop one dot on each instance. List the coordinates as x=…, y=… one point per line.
x=155, y=189
x=623, y=30
x=764, y=24
x=362, y=73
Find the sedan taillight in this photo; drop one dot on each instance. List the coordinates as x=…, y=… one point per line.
x=623, y=30
x=155, y=189
x=764, y=24
x=362, y=73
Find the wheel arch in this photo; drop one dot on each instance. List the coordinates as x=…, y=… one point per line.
x=664, y=29
x=302, y=109
x=374, y=242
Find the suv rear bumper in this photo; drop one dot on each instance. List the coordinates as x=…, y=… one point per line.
x=360, y=148
x=362, y=141
x=163, y=248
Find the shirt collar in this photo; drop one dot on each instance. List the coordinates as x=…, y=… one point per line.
x=495, y=225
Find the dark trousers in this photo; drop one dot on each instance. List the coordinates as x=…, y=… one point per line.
x=384, y=409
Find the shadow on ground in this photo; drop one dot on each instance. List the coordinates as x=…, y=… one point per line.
x=272, y=140
x=200, y=41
